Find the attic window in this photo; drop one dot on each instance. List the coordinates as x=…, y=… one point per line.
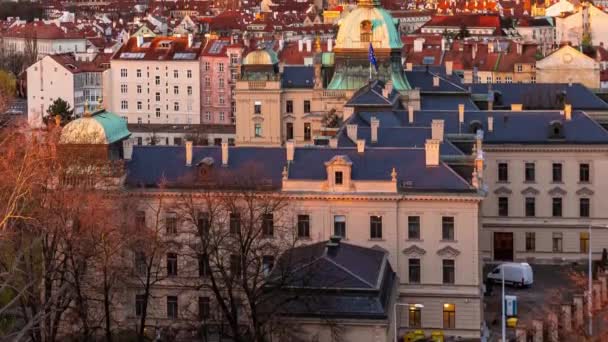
x=366, y=31
x=556, y=130
x=475, y=126
x=71, y=66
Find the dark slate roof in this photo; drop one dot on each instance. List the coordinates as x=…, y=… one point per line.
x=424, y=81
x=542, y=95
x=446, y=102
x=371, y=95
x=298, y=77
x=525, y=127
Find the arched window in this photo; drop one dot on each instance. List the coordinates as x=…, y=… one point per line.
x=474, y=126
x=556, y=130
x=366, y=31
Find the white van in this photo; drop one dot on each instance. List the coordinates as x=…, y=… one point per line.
x=519, y=274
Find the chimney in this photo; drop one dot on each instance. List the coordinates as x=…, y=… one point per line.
x=281, y=44
x=461, y=113
x=333, y=142
x=300, y=45
x=360, y=146
x=437, y=127
x=490, y=47
x=290, y=149
x=374, y=123
x=474, y=50
x=190, y=40
x=308, y=45
x=490, y=100
x=409, y=66
x=418, y=44
x=127, y=149
x=444, y=44
x=410, y=114
x=330, y=45
x=431, y=151
x=388, y=89
x=568, y=112
x=435, y=81
x=516, y=107
x=351, y=132
x=449, y=66
x=333, y=245
x=520, y=47
x=140, y=41
x=490, y=124
x=188, y=153
x=224, y=154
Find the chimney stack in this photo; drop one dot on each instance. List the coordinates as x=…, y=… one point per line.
x=188, y=153
x=410, y=114
x=333, y=142
x=449, y=66
x=461, y=113
x=330, y=45
x=568, y=112
x=490, y=124
x=224, y=154
x=520, y=47
x=308, y=45
x=290, y=148
x=127, y=149
x=374, y=123
x=190, y=40
x=435, y=81
x=388, y=89
x=351, y=132
x=409, y=66
x=300, y=45
x=431, y=150
x=437, y=128
x=360, y=145
x=516, y=107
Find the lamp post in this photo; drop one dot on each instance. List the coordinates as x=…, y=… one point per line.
x=503, y=324
x=395, y=315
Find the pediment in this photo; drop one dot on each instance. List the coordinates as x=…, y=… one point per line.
x=414, y=250
x=448, y=251
x=257, y=118
x=339, y=160
x=503, y=191
x=289, y=117
x=584, y=191
x=530, y=191
x=557, y=191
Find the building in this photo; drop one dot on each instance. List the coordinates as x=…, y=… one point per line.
x=568, y=65
x=477, y=25
x=75, y=78
x=44, y=38
x=586, y=19
x=537, y=30
x=156, y=81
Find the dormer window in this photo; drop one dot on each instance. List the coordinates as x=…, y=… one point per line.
x=475, y=126
x=338, y=178
x=556, y=130
x=366, y=31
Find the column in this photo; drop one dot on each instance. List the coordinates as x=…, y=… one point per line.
x=537, y=330
x=579, y=316
x=566, y=317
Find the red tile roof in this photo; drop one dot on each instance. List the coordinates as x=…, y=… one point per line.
x=159, y=49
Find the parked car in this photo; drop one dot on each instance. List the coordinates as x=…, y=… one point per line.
x=516, y=273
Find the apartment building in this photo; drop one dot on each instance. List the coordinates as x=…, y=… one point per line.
x=156, y=81
x=75, y=78
x=46, y=38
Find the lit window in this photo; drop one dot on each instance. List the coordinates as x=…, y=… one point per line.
x=449, y=316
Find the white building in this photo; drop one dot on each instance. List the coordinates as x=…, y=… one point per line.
x=47, y=38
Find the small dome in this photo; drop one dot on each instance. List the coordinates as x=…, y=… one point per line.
x=261, y=57
x=368, y=23
x=100, y=128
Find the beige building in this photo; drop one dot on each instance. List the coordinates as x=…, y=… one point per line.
x=568, y=65
x=571, y=27
x=156, y=81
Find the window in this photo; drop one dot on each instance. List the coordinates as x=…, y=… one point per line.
x=447, y=228
x=176, y=106
x=449, y=316
x=157, y=96
x=171, y=223
x=139, y=105
x=530, y=206
x=414, y=271
x=235, y=266
x=584, y=242
x=289, y=131
x=413, y=227
x=557, y=242
x=172, y=307
x=157, y=112
x=141, y=263
x=557, y=206
x=189, y=73
x=503, y=206
x=171, y=264
x=415, y=317
x=176, y=90
x=208, y=116
x=208, y=100
x=123, y=88
x=340, y=225
x=257, y=107
x=123, y=73
x=203, y=265
x=257, y=130
x=375, y=227
x=306, y=106
x=366, y=31
x=157, y=80
x=557, y=172
x=289, y=106
x=268, y=224
x=124, y=105
x=207, y=66
x=220, y=67
x=189, y=90
x=307, y=131
x=234, y=58
x=207, y=82
x=584, y=205
x=221, y=83
x=203, y=308
x=175, y=74
x=503, y=172
x=448, y=271
x=140, y=220
x=140, y=302
x=583, y=173
x=221, y=99
x=338, y=178
x=235, y=223
x=139, y=89
x=267, y=264
x=530, y=241
x=303, y=226
x=529, y=172
x=138, y=73
x=519, y=66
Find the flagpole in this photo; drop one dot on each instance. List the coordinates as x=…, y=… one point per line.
x=370, y=70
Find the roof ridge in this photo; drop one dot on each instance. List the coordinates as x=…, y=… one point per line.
x=347, y=270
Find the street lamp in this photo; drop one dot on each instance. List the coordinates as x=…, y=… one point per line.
x=395, y=314
x=590, y=291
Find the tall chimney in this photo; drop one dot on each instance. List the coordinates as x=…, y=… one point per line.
x=374, y=123
x=300, y=45
x=568, y=112
x=360, y=146
x=224, y=154
x=308, y=45
x=449, y=66
x=351, y=132
x=190, y=40
x=330, y=45
x=516, y=107
x=410, y=114
x=333, y=142
x=437, y=128
x=435, y=81
x=461, y=113
x=490, y=124
x=290, y=149
x=127, y=149
x=431, y=151
x=188, y=153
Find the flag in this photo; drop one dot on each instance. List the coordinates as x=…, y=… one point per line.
x=372, y=57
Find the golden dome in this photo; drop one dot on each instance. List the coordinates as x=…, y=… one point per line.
x=261, y=57
x=368, y=22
